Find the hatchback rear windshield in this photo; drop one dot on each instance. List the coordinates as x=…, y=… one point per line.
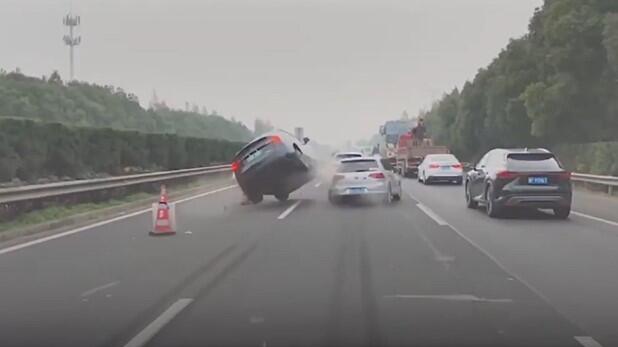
x=442, y=158
x=358, y=166
x=532, y=162
x=348, y=155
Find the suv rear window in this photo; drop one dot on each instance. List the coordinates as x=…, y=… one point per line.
x=358, y=166
x=532, y=162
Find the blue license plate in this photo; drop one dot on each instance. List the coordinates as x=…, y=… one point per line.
x=538, y=181
x=356, y=190
x=446, y=167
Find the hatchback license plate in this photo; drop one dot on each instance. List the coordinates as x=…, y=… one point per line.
x=537, y=180
x=356, y=190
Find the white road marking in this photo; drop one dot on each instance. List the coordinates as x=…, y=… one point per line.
x=104, y=222
x=156, y=325
x=188, y=232
x=610, y=222
x=289, y=210
x=448, y=297
x=317, y=185
x=432, y=214
x=98, y=289
x=587, y=341
x=413, y=197
x=445, y=260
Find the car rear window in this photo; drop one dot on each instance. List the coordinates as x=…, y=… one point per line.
x=358, y=166
x=348, y=155
x=532, y=162
x=442, y=158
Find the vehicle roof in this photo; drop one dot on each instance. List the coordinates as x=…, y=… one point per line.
x=349, y=152
x=363, y=158
x=523, y=150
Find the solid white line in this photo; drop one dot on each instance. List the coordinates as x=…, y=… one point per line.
x=432, y=214
x=156, y=325
x=610, y=222
x=317, y=185
x=98, y=289
x=448, y=297
x=104, y=222
x=289, y=210
x=587, y=341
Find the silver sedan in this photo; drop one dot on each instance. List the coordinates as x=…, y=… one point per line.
x=365, y=177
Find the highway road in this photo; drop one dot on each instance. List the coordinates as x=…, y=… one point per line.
x=423, y=272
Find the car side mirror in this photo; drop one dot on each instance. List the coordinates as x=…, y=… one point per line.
x=305, y=140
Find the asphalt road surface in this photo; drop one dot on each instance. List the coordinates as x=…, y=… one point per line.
x=423, y=272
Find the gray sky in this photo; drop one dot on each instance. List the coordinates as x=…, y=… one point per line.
x=338, y=68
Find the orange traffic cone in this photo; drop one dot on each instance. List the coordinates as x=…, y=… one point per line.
x=164, y=216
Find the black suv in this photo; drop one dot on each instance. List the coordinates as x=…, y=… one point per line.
x=507, y=178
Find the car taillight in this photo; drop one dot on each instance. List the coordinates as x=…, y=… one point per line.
x=377, y=175
x=506, y=175
x=337, y=178
x=457, y=166
x=275, y=140
x=235, y=166
x=434, y=166
x=564, y=176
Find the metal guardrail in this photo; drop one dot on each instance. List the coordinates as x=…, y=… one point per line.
x=41, y=191
x=609, y=181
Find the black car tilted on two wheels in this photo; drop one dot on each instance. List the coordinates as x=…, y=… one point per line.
x=519, y=178
x=273, y=164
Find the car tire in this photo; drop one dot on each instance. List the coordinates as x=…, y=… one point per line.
x=256, y=198
x=388, y=197
x=470, y=202
x=397, y=197
x=333, y=199
x=562, y=212
x=426, y=180
x=282, y=196
x=459, y=181
x=492, y=208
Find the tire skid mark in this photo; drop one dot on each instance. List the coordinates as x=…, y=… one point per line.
x=167, y=299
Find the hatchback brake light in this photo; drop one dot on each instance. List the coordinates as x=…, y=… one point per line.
x=377, y=175
x=434, y=166
x=275, y=140
x=457, y=166
x=506, y=175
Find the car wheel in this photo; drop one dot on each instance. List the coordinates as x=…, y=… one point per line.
x=493, y=210
x=388, y=198
x=333, y=199
x=256, y=198
x=459, y=181
x=470, y=203
x=562, y=212
x=282, y=196
x=426, y=180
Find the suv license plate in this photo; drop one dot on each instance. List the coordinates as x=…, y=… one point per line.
x=537, y=180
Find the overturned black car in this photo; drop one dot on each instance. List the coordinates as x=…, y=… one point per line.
x=273, y=164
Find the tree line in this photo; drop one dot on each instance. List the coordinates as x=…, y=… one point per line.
x=31, y=150
x=83, y=104
x=556, y=86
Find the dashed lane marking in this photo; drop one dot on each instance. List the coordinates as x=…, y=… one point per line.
x=289, y=210
x=432, y=214
x=156, y=325
x=587, y=341
x=583, y=215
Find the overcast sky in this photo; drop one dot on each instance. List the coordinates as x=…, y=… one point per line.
x=339, y=68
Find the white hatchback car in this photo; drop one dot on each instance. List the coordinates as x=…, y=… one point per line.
x=345, y=155
x=440, y=168
x=365, y=177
